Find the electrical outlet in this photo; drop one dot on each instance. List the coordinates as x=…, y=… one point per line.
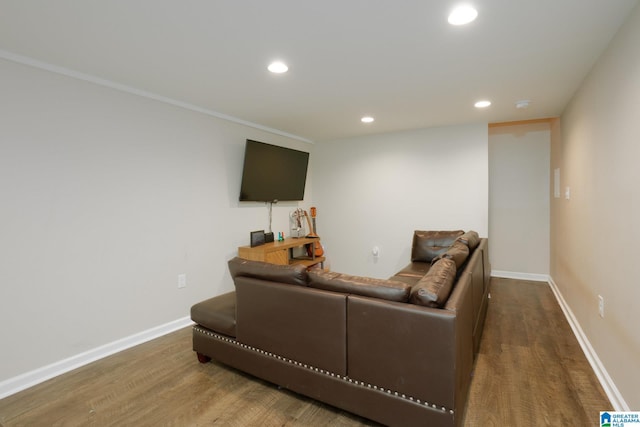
x=182, y=281
x=601, y=306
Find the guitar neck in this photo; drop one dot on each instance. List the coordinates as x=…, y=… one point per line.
x=311, y=230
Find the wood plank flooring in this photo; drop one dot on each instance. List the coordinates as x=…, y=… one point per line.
x=530, y=372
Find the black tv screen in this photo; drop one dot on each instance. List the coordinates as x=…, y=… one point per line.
x=271, y=173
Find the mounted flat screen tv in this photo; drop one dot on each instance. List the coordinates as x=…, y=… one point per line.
x=271, y=173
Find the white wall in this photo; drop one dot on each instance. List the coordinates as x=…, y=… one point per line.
x=376, y=190
x=594, y=246
x=105, y=198
x=519, y=159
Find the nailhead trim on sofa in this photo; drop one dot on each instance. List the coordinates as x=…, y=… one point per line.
x=321, y=371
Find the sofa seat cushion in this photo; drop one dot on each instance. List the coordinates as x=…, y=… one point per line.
x=429, y=244
x=434, y=288
x=291, y=274
x=409, y=280
x=217, y=313
x=365, y=286
x=415, y=269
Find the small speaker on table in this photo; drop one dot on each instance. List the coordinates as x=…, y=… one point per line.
x=257, y=238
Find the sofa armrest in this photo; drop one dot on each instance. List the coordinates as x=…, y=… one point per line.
x=486, y=264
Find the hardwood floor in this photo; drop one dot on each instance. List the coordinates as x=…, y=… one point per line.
x=530, y=371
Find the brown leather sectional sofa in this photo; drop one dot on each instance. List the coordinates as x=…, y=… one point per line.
x=397, y=351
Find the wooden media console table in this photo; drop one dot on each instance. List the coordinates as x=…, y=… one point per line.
x=288, y=252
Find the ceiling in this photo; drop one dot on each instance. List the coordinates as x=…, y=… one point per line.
x=398, y=61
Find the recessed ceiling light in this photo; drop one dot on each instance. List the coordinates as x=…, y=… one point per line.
x=482, y=104
x=462, y=15
x=367, y=119
x=278, y=67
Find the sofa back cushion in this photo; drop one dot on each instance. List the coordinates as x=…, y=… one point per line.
x=458, y=252
x=290, y=274
x=471, y=239
x=429, y=244
x=391, y=290
x=434, y=288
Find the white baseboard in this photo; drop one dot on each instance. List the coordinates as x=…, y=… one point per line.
x=29, y=379
x=607, y=383
x=520, y=276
